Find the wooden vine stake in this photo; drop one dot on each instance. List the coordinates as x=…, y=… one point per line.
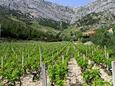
x=62, y=58
x=113, y=72
x=84, y=56
x=105, y=51
x=40, y=57
x=43, y=75
x=0, y=31
x=92, y=52
x=78, y=54
x=67, y=51
x=107, y=56
x=22, y=61
x=2, y=62
x=86, y=51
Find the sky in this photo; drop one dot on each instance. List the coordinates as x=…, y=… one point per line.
x=71, y=3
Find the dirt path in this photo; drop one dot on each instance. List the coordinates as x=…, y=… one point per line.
x=74, y=74
x=103, y=74
x=27, y=81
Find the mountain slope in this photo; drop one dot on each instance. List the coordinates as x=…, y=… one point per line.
x=33, y=19
x=98, y=20
x=40, y=9
x=98, y=13
x=50, y=14
x=96, y=6
x=14, y=24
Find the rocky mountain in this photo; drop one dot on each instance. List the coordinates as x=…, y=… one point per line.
x=47, y=10
x=96, y=6
x=98, y=13
x=40, y=9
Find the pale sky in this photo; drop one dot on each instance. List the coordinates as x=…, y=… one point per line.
x=72, y=3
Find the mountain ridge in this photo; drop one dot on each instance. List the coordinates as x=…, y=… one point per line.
x=40, y=9
x=48, y=10
x=104, y=8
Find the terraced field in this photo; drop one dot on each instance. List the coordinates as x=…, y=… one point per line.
x=66, y=64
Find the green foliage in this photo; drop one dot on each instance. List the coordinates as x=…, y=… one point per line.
x=16, y=25
x=21, y=30
x=19, y=58
x=58, y=69
x=89, y=19
x=57, y=73
x=104, y=38
x=54, y=24
x=90, y=74
x=92, y=77
x=82, y=62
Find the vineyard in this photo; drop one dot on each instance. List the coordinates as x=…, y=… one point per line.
x=62, y=61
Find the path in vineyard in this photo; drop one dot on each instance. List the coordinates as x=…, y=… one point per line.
x=105, y=76
x=74, y=74
x=103, y=73
x=27, y=80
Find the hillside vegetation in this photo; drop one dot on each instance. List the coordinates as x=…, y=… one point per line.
x=16, y=25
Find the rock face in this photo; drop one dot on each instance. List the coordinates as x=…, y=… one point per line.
x=100, y=13
x=40, y=9
x=96, y=6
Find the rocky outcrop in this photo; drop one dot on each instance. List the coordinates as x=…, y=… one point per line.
x=100, y=13
x=96, y=6
x=40, y=9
